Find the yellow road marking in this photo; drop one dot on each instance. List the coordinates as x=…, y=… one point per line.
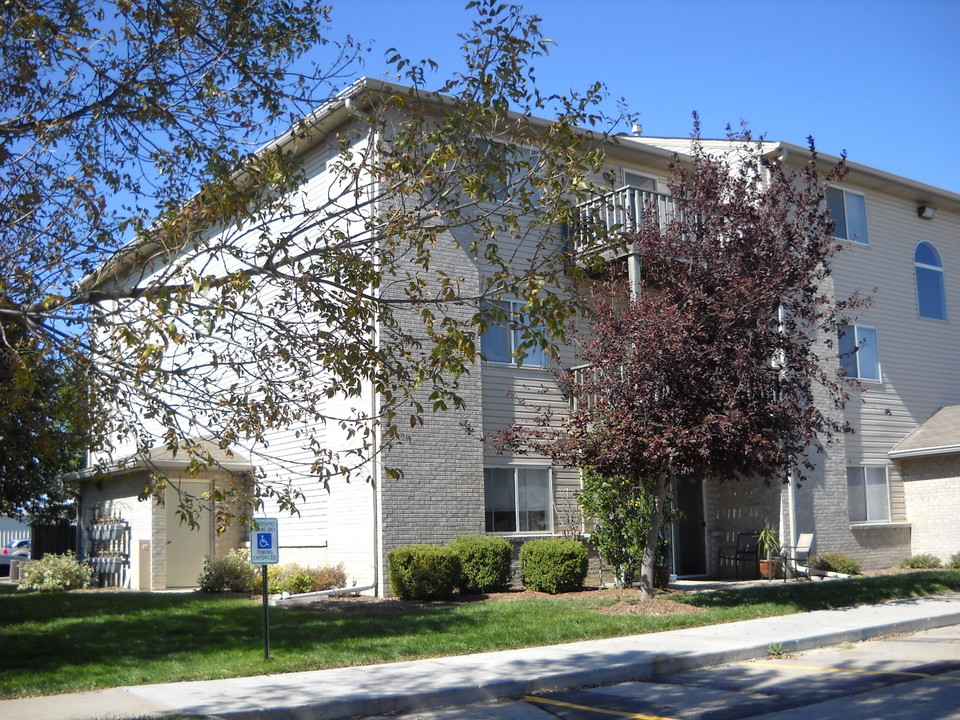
x=560, y=703
x=852, y=671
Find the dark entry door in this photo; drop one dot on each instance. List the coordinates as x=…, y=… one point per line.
x=689, y=553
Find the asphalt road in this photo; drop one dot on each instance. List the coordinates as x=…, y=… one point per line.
x=904, y=677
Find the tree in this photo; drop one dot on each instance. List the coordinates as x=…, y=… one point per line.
x=41, y=408
x=721, y=366
x=211, y=292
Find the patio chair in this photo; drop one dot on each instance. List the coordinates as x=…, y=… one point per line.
x=793, y=556
x=745, y=551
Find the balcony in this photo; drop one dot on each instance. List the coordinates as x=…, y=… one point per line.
x=607, y=222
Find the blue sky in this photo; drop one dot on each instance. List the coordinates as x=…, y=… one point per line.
x=879, y=78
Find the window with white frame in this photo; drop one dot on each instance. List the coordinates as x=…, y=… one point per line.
x=859, y=353
x=634, y=179
x=931, y=297
x=868, y=494
x=517, y=500
x=849, y=212
x=502, y=341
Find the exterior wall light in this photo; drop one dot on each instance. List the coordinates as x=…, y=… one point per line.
x=926, y=212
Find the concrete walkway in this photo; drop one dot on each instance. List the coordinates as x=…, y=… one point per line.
x=409, y=686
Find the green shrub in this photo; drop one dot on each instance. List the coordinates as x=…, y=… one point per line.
x=954, y=563
x=553, y=565
x=231, y=572
x=921, y=562
x=56, y=572
x=423, y=572
x=484, y=561
x=835, y=562
x=296, y=579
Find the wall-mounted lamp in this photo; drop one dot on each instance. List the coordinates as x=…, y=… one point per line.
x=926, y=212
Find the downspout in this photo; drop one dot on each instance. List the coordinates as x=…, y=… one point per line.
x=375, y=539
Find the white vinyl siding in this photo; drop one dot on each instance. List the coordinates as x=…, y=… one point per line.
x=917, y=356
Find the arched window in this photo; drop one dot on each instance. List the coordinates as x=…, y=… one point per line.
x=931, y=298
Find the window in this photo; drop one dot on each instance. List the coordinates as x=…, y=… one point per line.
x=517, y=499
x=515, y=166
x=859, y=356
x=633, y=179
x=931, y=298
x=849, y=212
x=868, y=494
x=501, y=343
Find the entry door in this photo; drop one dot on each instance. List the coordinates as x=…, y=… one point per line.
x=187, y=547
x=689, y=536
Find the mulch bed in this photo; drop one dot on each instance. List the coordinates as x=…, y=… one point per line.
x=629, y=602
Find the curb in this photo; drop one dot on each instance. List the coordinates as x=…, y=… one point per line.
x=650, y=666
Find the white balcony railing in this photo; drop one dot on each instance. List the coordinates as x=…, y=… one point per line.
x=606, y=222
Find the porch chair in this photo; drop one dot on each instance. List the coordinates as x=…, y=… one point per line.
x=745, y=551
x=792, y=556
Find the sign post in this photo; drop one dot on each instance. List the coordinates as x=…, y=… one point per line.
x=264, y=550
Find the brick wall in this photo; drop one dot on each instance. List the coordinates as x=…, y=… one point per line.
x=932, y=490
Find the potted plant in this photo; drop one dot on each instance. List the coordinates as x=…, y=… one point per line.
x=768, y=542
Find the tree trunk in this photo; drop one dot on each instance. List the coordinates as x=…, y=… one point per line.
x=647, y=590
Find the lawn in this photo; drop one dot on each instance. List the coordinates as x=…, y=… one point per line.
x=67, y=642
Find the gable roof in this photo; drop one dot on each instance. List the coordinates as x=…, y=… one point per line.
x=162, y=458
x=939, y=435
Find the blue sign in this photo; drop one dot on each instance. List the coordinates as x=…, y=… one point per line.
x=264, y=546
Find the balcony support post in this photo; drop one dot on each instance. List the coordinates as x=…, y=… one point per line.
x=633, y=272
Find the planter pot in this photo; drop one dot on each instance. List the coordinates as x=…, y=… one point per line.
x=661, y=576
x=768, y=569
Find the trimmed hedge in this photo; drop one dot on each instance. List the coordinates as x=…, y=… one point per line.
x=423, y=572
x=485, y=562
x=553, y=565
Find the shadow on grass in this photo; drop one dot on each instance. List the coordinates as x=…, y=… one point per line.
x=825, y=595
x=117, y=634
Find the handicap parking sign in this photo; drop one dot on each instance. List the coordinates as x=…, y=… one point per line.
x=264, y=549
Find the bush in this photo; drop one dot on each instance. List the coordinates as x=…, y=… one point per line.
x=296, y=579
x=553, y=565
x=423, y=572
x=56, y=572
x=835, y=562
x=293, y=579
x=231, y=572
x=921, y=562
x=954, y=563
x=484, y=561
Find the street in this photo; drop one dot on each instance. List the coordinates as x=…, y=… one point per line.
x=904, y=676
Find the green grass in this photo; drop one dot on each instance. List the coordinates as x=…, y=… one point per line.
x=67, y=642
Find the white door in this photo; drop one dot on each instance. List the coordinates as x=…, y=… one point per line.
x=187, y=547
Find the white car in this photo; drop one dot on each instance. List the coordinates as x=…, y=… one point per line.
x=19, y=549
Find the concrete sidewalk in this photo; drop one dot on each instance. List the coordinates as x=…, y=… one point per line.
x=409, y=686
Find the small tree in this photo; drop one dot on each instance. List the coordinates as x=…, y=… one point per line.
x=620, y=513
x=714, y=369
